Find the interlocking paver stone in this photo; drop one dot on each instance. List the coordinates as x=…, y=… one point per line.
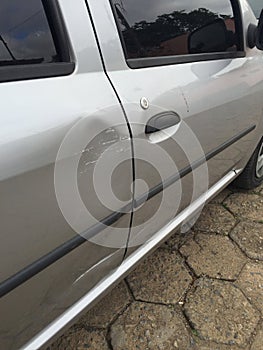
x=177, y=240
x=81, y=340
x=109, y=307
x=207, y=345
x=221, y=196
x=251, y=283
x=221, y=313
x=249, y=237
x=258, y=341
x=149, y=326
x=246, y=205
x=215, y=219
x=214, y=256
x=259, y=189
x=160, y=278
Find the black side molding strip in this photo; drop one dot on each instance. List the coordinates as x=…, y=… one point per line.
x=36, y=267
x=41, y=264
x=187, y=170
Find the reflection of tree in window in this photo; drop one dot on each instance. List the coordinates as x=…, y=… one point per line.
x=168, y=34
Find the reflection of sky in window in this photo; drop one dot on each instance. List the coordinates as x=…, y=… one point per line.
x=24, y=28
x=14, y=12
x=257, y=6
x=149, y=10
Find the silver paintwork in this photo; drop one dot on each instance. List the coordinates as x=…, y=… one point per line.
x=37, y=115
x=35, y=118
x=69, y=316
x=215, y=100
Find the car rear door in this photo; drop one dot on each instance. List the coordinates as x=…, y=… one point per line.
x=62, y=129
x=180, y=67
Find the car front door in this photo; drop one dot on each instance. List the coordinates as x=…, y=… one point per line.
x=191, y=95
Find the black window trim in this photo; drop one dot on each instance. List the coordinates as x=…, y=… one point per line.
x=147, y=62
x=18, y=72
x=137, y=63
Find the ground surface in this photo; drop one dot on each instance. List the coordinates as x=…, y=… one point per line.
x=202, y=290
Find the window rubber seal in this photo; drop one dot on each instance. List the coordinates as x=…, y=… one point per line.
x=66, y=66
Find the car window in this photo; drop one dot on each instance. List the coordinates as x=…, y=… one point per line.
x=25, y=36
x=154, y=28
x=257, y=6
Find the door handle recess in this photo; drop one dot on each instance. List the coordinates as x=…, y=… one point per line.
x=162, y=121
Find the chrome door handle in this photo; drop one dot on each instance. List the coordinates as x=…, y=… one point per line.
x=162, y=121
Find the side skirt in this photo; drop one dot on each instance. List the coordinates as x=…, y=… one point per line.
x=70, y=316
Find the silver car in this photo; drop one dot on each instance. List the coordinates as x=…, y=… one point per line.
x=119, y=121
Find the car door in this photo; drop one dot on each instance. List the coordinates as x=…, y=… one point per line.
x=62, y=128
x=181, y=67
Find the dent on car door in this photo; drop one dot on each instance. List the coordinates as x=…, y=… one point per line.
x=212, y=90
x=61, y=228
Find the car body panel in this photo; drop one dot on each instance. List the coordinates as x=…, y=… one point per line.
x=217, y=100
x=38, y=120
x=104, y=103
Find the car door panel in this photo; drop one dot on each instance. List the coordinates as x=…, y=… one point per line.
x=54, y=134
x=217, y=100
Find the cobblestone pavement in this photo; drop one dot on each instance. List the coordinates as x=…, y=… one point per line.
x=202, y=290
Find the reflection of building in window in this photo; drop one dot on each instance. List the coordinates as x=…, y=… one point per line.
x=176, y=46
x=179, y=45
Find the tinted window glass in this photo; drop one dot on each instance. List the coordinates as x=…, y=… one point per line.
x=257, y=6
x=25, y=37
x=154, y=28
